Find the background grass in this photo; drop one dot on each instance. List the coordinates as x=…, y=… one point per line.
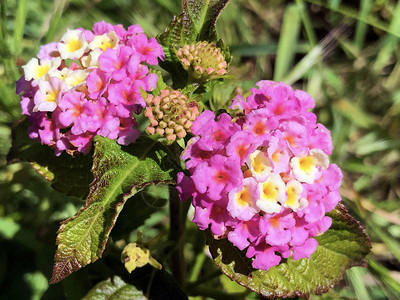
x=344, y=53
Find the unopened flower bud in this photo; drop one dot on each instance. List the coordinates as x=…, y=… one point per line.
x=171, y=114
x=203, y=61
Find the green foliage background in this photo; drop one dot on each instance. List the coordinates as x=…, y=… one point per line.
x=344, y=53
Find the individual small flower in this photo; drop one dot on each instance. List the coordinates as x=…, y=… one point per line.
x=48, y=51
x=279, y=153
x=277, y=228
x=261, y=122
x=77, y=111
x=46, y=97
x=213, y=214
x=76, y=78
x=73, y=44
x=91, y=59
x=264, y=255
x=242, y=144
x=242, y=200
x=217, y=177
x=259, y=165
x=114, y=62
x=244, y=233
x=127, y=131
x=37, y=70
x=171, y=114
x=215, y=134
x=306, y=168
x=272, y=194
x=203, y=60
x=148, y=49
x=104, y=41
x=308, y=248
x=263, y=180
x=97, y=83
x=294, y=199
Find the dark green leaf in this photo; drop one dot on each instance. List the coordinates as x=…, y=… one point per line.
x=343, y=246
x=115, y=289
x=195, y=23
x=119, y=172
x=68, y=174
x=136, y=211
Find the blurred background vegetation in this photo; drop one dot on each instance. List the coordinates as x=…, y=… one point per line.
x=346, y=54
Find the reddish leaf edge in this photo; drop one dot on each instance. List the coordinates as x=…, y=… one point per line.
x=66, y=267
x=317, y=291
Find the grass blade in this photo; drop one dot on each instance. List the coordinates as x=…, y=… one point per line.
x=352, y=13
x=354, y=275
x=390, y=42
x=288, y=38
x=305, y=17
x=20, y=19
x=383, y=275
x=361, y=27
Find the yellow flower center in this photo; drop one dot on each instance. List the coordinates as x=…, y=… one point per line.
x=307, y=163
x=270, y=191
x=291, y=196
x=51, y=96
x=73, y=45
x=258, y=164
x=243, y=198
x=41, y=70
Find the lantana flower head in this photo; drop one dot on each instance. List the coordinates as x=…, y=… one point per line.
x=88, y=84
x=202, y=60
x=263, y=180
x=171, y=114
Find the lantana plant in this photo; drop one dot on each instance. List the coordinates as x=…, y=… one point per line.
x=101, y=124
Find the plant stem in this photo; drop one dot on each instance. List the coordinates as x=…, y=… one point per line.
x=176, y=235
x=177, y=227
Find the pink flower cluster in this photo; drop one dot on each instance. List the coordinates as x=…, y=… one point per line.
x=88, y=84
x=263, y=180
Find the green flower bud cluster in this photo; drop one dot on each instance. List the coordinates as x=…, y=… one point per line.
x=171, y=114
x=203, y=61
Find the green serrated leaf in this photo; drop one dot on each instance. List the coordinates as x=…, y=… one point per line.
x=68, y=174
x=115, y=289
x=119, y=172
x=343, y=246
x=195, y=23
